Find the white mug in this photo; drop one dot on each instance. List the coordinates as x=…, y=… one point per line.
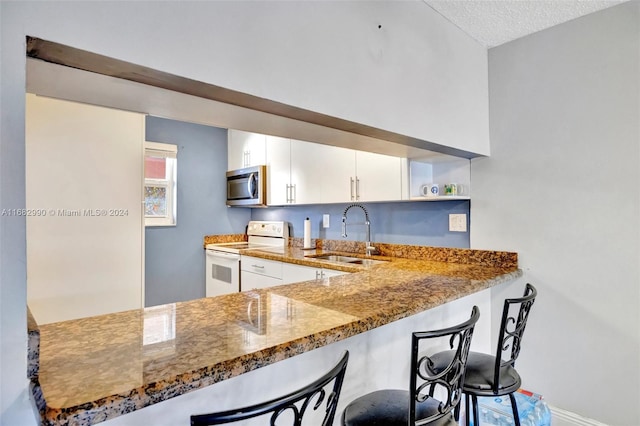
x=430, y=190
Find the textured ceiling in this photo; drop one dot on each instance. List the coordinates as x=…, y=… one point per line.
x=494, y=22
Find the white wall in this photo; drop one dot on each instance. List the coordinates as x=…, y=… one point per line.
x=324, y=56
x=85, y=253
x=417, y=74
x=561, y=189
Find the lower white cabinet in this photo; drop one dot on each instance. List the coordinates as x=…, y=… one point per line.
x=292, y=273
x=259, y=273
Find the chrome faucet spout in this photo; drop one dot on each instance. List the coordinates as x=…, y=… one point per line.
x=369, y=249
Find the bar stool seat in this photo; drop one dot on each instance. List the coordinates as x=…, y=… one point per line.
x=480, y=374
x=389, y=407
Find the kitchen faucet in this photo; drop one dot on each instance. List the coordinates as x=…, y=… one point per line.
x=369, y=248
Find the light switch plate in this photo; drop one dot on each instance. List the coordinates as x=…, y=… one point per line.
x=458, y=222
x=325, y=221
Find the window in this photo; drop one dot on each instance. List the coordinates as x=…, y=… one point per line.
x=160, y=164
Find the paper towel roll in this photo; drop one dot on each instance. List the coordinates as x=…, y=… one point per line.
x=307, y=233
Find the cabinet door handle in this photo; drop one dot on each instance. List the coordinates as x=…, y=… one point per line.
x=257, y=266
x=351, y=187
x=247, y=158
x=357, y=189
x=288, y=193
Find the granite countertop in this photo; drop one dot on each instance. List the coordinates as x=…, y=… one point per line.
x=93, y=369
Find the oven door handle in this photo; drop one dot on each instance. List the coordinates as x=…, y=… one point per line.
x=223, y=255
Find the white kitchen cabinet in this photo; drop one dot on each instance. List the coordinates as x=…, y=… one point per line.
x=278, y=170
x=378, y=177
x=336, y=184
x=293, y=273
x=301, y=172
x=295, y=170
x=258, y=273
x=362, y=176
x=245, y=149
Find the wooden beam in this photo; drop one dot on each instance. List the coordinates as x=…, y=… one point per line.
x=88, y=61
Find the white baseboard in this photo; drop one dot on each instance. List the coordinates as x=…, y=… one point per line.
x=558, y=415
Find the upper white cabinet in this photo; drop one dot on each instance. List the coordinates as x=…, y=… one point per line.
x=295, y=171
x=245, y=149
x=278, y=170
x=377, y=177
x=362, y=176
x=300, y=172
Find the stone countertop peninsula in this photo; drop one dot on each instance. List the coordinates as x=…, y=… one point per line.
x=89, y=370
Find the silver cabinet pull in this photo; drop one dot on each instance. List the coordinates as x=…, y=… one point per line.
x=357, y=189
x=351, y=188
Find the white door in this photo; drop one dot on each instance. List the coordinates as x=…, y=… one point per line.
x=84, y=176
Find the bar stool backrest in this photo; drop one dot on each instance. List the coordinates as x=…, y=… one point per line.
x=292, y=406
x=514, y=320
x=444, y=385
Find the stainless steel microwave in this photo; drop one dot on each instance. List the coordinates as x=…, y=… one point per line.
x=247, y=187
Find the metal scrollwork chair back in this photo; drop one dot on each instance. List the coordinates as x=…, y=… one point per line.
x=511, y=331
x=426, y=382
x=292, y=406
x=432, y=395
x=490, y=375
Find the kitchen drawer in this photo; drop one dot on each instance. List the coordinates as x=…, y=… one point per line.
x=265, y=267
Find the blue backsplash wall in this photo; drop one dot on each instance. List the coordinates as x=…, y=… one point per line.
x=415, y=223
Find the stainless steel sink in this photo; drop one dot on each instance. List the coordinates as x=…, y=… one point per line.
x=368, y=262
x=348, y=259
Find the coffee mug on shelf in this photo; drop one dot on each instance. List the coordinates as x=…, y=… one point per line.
x=452, y=189
x=430, y=190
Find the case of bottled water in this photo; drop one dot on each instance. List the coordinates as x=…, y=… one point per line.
x=496, y=410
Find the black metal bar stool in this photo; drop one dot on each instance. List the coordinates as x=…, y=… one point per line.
x=432, y=396
x=489, y=375
x=293, y=405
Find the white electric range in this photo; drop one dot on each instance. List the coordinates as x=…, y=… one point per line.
x=223, y=259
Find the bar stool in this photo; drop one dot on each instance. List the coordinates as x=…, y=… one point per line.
x=294, y=404
x=432, y=396
x=489, y=375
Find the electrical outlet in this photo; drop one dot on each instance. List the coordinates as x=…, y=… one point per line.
x=458, y=222
x=325, y=221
